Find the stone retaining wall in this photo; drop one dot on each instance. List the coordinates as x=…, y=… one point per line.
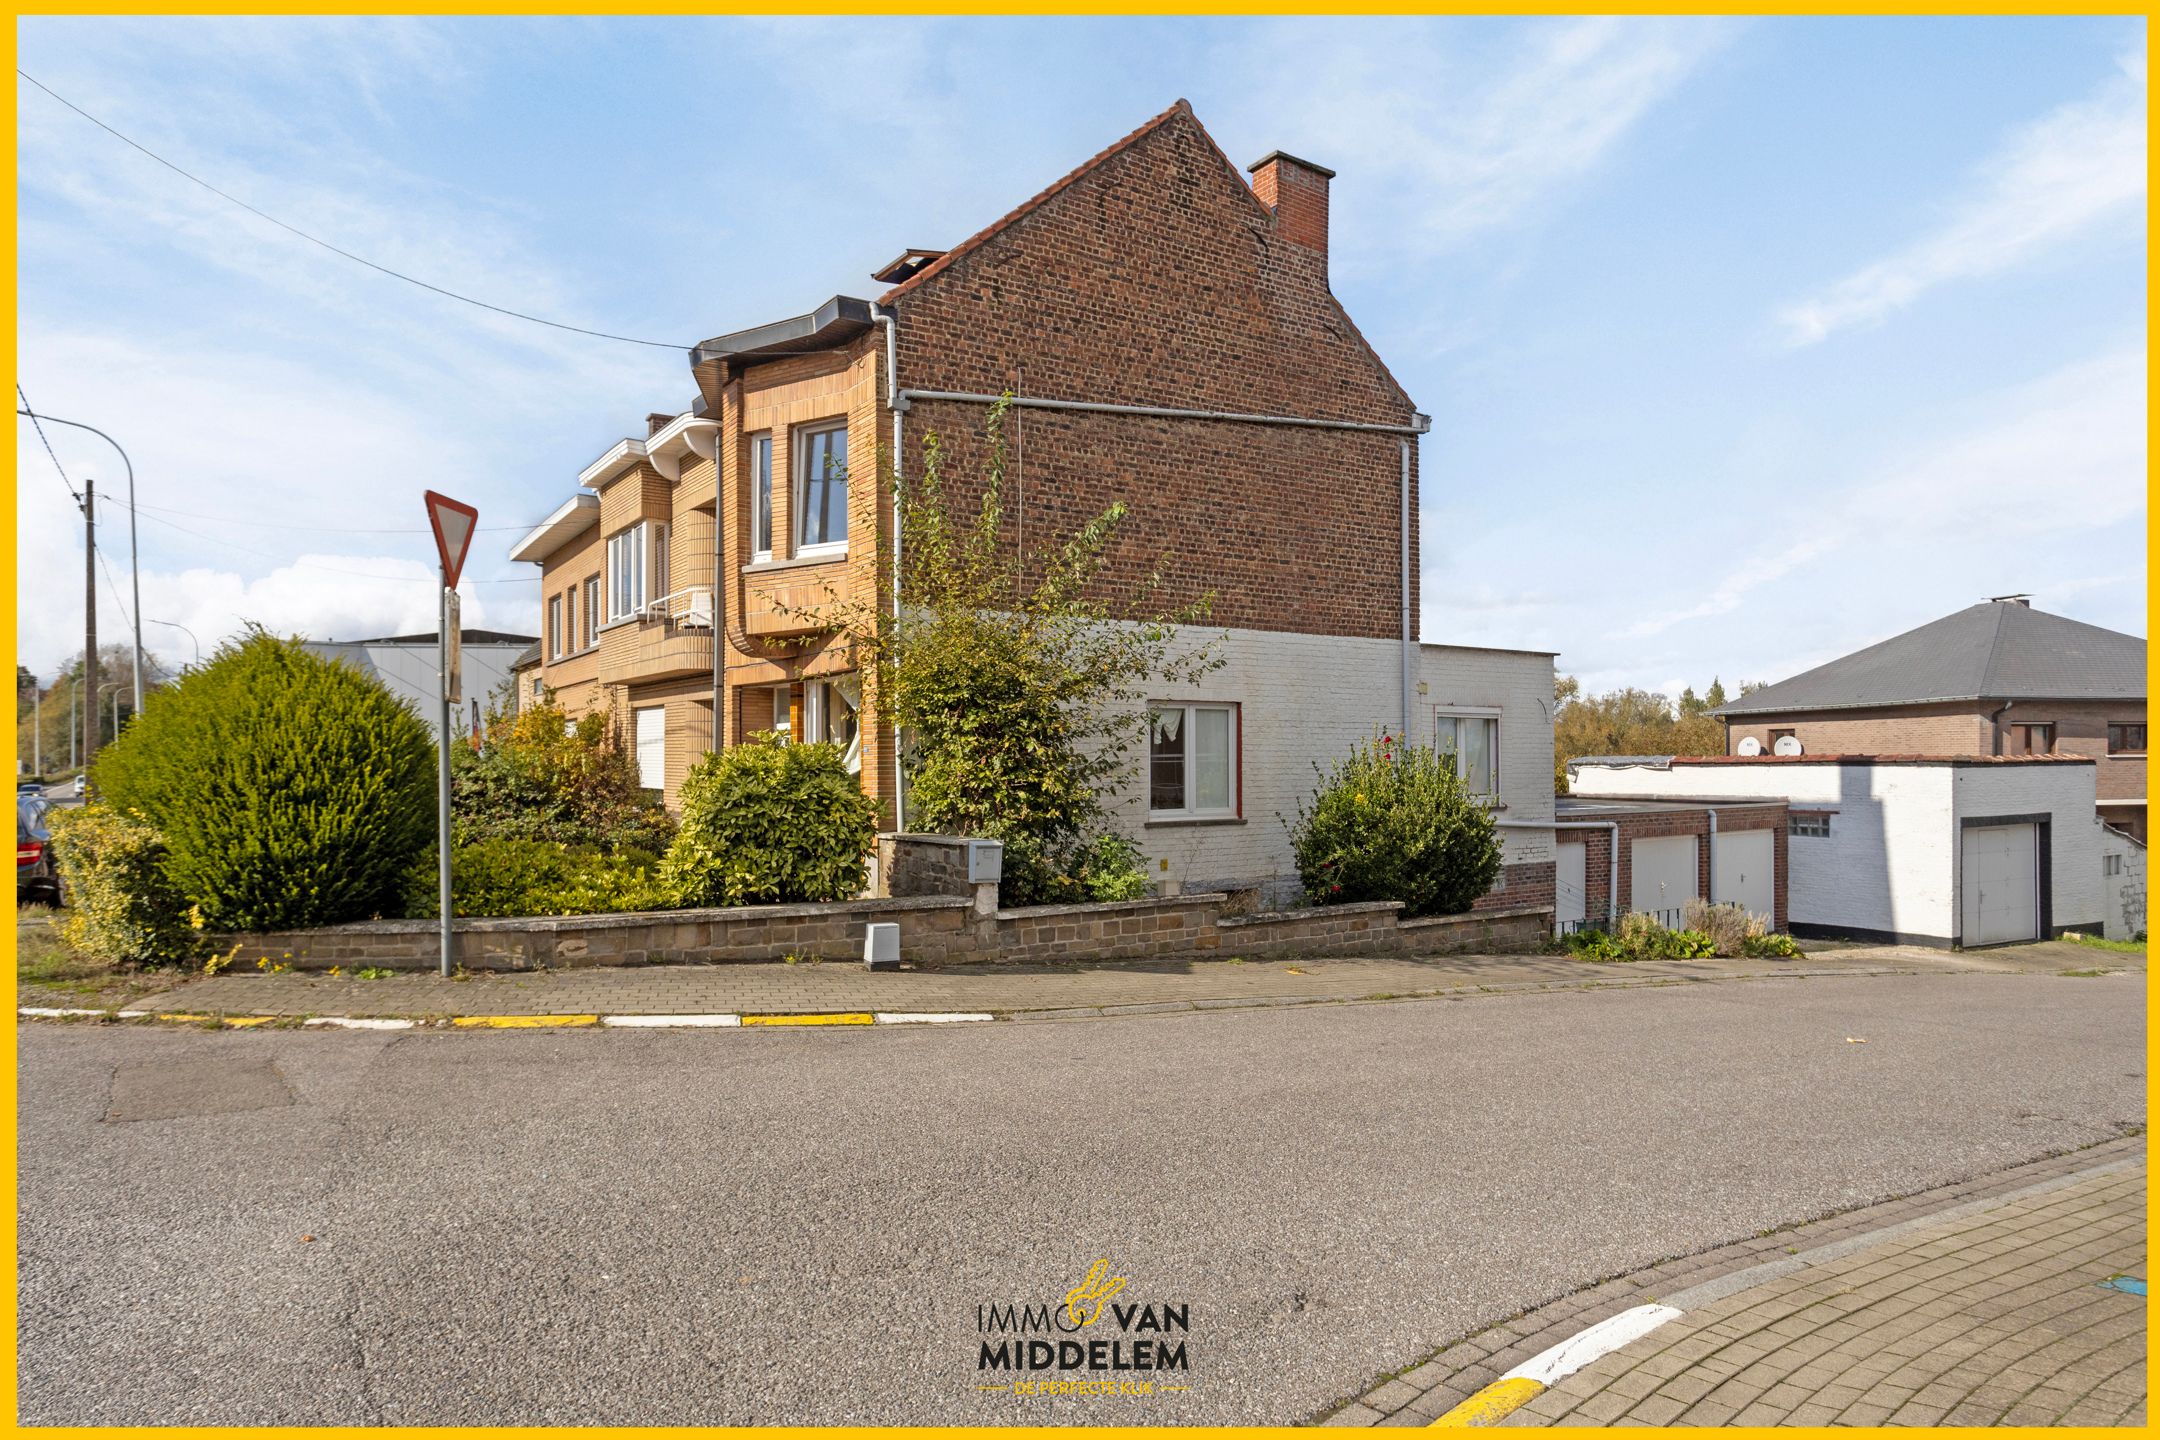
x=934, y=930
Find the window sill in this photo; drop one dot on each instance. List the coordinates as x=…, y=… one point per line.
x=1168, y=822
x=794, y=562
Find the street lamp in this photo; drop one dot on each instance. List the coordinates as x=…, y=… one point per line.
x=185, y=631
x=114, y=686
x=134, y=567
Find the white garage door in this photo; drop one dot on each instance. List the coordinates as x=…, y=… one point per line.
x=1743, y=871
x=1662, y=873
x=1571, y=882
x=2001, y=890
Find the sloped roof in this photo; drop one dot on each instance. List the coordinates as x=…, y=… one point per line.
x=1996, y=650
x=976, y=241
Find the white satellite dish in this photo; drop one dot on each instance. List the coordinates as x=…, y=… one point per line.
x=1786, y=745
x=1750, y=746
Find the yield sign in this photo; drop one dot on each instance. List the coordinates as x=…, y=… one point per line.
x=453, y=521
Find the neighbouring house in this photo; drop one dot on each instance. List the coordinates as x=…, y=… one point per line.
x=1168, y=333
x=1659, y=854
x=1943, y=850
x=526, y=685
x=410, y=666
x=1999, y=678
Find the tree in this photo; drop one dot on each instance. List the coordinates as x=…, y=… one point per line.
x=538, y=775
x=1018, y=678
x=291, y=790
x=1394, y=822
x=1714, y=697
x=1631, y=722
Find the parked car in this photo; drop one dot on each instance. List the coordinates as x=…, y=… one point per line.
x=32, y=785
x=82, y=785
x=36, y=877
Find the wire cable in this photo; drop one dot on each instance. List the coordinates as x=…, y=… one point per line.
x=320, y=529
x=328, y=569
x=334, y=249
x=31, y=411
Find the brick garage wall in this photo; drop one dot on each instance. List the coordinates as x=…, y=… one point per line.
x=1640, y=825
x=1520, y=885
x=1157, y=277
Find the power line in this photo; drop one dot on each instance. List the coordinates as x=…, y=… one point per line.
x=317, y=529
x=31, y=410
x=333, y=249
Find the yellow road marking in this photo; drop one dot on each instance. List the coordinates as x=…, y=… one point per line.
x=523, y=1022
x=808, y=1019
x=1493, y=1403
x=242, y=1022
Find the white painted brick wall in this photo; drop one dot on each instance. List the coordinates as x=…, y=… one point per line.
x=2064, y=793
x=2123, y=893
x=1305, y=700
x=1892, y=861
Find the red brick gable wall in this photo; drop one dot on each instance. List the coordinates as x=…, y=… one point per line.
x=1156, y=277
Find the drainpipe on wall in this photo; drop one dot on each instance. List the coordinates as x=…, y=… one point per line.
x=1995, y=724
x=1710, y=885
x=1612, y=847
x=1405, y=548
x=897, y=402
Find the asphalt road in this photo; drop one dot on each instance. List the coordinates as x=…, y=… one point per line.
x=753, y=1227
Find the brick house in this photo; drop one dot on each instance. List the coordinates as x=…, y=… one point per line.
x=1998, y=678
x=1657, y=854
x=1169, y=334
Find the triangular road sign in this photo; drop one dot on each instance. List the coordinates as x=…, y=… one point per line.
x=453, y=522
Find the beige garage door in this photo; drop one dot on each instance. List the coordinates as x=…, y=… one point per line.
x=2000, y=899
x=1662, y=873
x=1744, y=871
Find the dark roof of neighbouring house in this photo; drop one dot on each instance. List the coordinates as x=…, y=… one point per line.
x=1996, y=650
x=468, y=637
x=526, y=658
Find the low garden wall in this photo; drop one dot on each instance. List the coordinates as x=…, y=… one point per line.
x=934, y=930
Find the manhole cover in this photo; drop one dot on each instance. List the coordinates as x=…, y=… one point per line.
x=170, y=1089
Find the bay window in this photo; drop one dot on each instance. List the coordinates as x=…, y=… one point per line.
x=592, y=612
x=626, y=572
x=821, y=490
x=1192, y=761
x=1474, y=740
x=832, y=715
x=761, y=496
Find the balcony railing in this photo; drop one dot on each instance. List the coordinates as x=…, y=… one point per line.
x=691, y=609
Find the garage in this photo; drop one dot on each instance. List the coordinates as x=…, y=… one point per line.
x=1571, y=882
x=2000, y=885
x=1665, y=877
x=1743, y=870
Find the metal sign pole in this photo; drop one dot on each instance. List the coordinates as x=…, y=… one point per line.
x=442, y=799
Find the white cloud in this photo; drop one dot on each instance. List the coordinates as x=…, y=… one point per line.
x=1447, y=145
x=2065, y=453
x=2050, y=181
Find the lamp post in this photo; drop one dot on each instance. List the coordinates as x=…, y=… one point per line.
x=115, y=687
x=134, y=565
x=185, y=631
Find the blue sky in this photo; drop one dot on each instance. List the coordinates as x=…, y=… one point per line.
x=1746, y=343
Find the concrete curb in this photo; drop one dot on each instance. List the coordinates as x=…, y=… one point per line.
x=519, y=1022
x=1519, y=1386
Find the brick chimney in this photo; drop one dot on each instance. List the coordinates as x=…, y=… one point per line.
x=1297, y=191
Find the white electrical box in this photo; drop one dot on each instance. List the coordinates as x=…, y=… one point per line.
x=881, y=946
x=986, y=861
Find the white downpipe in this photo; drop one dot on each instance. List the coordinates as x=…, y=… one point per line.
x=1710, y=885
x=896, y=402
x=1612, y=831
x=1405, y=547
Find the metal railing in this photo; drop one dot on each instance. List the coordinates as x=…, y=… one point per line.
x=1675, y=919
x=692, y=608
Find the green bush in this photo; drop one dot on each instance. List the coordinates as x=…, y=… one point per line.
x=1108, y=867
x=538, y=775
x=770, y=823
x=1393, y=822
x=495, y=878
x=122, y=906
x=1641, y=937
x=1772, y=946
x=291, y=790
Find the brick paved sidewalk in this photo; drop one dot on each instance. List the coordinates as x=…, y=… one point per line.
x=1979, y=1303
x=1037, y=991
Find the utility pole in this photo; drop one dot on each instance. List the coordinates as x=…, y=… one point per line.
x=37, y=726
x=74, y=734
x=134, y=555
x=90, y=657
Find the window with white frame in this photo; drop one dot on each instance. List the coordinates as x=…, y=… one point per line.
x=626, y=572
x=662, y=534
x=592, y=612
x=821, y=489
x=555, y=628
x=832, y=715
x=1192, y=761
x=2110, y=866
x=1473, y=738
x=1815, y=826
x=569, y=627
x=761, y=496
x=651, y=747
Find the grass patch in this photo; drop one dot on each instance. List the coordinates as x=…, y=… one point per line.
x=2094, y=942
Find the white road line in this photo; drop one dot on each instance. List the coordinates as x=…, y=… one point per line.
x=1549, y=1367
x=886, y=1017
x=659, y=1022
x=346, y=1022
x=49, y=1012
